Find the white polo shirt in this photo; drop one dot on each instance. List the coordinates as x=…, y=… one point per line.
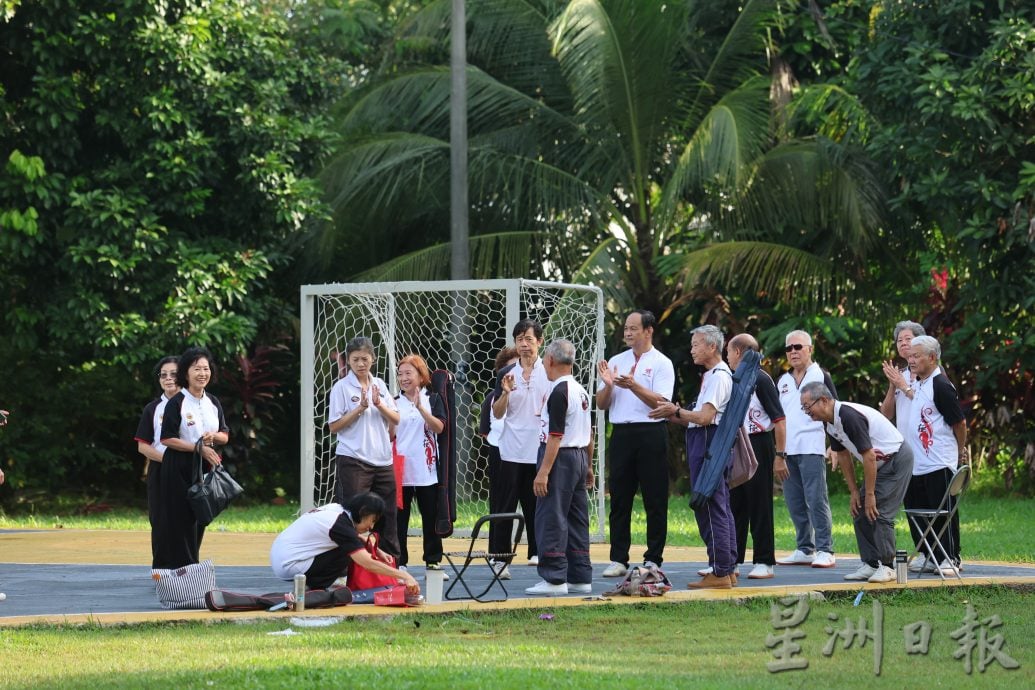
x=902, y=404
x=313, y=533
x=366, y=438
x=764, y=409
x=804, y=435
x=716, y=388
x=858, y=428
x=566, y=414
x=519, y=441
x=932, y=414
x=653, y=371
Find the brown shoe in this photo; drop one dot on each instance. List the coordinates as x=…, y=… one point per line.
x=712, y=581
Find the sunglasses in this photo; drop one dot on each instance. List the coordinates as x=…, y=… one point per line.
x=797, y=347
x=170, y=375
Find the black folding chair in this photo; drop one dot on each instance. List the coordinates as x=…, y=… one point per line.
x=923, y=520
x=471, y=555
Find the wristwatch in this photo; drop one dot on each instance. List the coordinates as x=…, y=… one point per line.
x=781, y=454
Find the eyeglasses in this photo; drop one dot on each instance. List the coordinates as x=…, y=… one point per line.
x=807, y=409
x=167, y=375
x=796, y=347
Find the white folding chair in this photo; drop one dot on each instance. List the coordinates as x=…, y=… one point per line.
x=923, y=520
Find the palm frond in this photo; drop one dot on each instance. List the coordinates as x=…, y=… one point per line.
x=617, y=56
x=771, y=271
x=828, y=110
x=740, y=57
x=498, y=255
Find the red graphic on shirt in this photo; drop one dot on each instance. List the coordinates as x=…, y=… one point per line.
x=429, y=448
x=926, y=430
x=754, y=427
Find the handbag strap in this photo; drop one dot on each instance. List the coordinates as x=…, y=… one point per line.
x=198, y=473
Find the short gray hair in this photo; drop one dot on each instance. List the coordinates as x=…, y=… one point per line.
x=803, y=334
x=926, y=343
x=817, y=390
x=561, y=351
x=712, y=335
x=913, y=326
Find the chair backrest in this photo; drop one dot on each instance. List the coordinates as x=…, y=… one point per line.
x=960, y=481
x=502, y=517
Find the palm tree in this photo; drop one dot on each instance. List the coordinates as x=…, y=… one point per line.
x=620, y=142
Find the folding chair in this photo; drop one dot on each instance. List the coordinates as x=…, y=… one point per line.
x=924, y=518
x=471, y=556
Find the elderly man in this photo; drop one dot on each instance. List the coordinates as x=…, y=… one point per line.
x=937, y=432
x=805, y=488
x=631, y=384
x=864, y=433
x=562, y=476
x=896, y=402
x=714, y=520
x=752, y=502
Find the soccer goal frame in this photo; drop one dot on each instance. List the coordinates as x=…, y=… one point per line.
x=457, y=325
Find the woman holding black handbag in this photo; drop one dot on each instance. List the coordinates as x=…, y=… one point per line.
x=192, y=415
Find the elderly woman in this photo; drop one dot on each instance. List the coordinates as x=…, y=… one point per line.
x=422, y=416
x=360, y=411
x=192, y=415
x=148, y=432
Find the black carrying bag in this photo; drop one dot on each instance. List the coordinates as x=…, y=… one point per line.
x=211, y=493
x=445, y=495
x=225, y=600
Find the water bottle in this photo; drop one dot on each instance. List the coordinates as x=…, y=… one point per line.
x=901, y=571
x=299, y=592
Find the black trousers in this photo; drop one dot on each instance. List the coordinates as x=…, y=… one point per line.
x=427, y=503
x=326, y=568
x=353, y=476
x=514, y=486
x=752, y=504
x=639, y=460
x=926, y=491
x=495, y=490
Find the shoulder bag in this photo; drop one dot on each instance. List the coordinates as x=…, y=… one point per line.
x=211, y=493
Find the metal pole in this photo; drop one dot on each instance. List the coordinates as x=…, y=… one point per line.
x=459, y=265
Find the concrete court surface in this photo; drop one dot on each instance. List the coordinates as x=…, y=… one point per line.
x=104, y=576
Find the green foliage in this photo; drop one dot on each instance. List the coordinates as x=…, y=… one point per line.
x=158, y=161
x=953, y=84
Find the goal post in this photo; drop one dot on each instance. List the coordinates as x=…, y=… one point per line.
x=459, y=325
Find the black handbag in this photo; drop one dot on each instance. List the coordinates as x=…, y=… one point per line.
x=211, y=493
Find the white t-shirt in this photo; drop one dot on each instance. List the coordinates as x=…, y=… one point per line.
x=519, y=441
x=198, y=416
x=366, y=438
x=902, y=404
x=716, y=388
x=416, y=442
x=935, y=409
x=566, y=414
x=805, y=436
x=653, y=371
x=858, y=428
x=313, y=533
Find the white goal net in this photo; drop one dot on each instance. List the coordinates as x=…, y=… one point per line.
x=454, y=325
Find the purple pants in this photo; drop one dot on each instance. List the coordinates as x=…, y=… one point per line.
x=715, y=520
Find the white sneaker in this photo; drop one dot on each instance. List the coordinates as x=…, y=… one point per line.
x=916, y=565
x=547, y=589
x=947, y=568
x=865, y=572
x=705, y=571
x=882, y=573
x=533, y=560
x=650, y=564
x=761, y=571
x=616, y=569
x=823, y=559
x=403, y=568
x=501, y=569
x=799, y=557
x=584, y=588
x=736, y=569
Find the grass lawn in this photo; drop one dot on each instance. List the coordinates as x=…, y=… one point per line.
x=993, y=528
x=661, y=644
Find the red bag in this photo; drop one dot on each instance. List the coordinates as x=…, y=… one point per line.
x=397, y=466
x=361, y=578
x=396, y=596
